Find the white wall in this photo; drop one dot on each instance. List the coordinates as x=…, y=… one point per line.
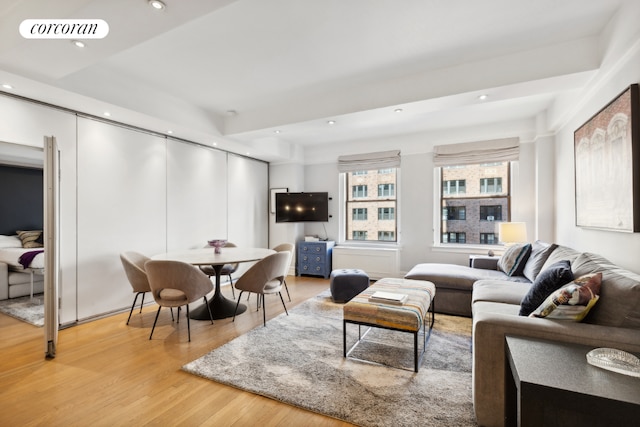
x=620, y=248
x=416, y=201
x=123, y=189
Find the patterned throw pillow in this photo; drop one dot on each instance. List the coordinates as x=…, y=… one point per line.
x=573, y=301
x=552, y=278
x=514, y=259
x=31, y=239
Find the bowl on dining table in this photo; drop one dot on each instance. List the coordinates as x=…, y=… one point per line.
x=217, y=244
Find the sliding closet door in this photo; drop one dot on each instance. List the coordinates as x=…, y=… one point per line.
x=196, y=195
x=121, y=207
x=248, y=201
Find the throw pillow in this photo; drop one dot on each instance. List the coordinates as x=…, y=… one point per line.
x=573, y=301
x=552, y=278
x=540, y=251
x=10, y=242
x=31, y=239
x=514, y=259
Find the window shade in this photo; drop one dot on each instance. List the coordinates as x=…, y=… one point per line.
x=496, y=150
x=368, y=161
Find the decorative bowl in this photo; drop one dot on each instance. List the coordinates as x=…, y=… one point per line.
x=615, y=360
x=217, y=244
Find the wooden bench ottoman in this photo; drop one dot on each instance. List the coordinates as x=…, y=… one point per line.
x=409, y=315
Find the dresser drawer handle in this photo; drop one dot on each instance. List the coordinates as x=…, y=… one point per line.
x=306, y=267
x=318, y=249
x=318, y=259
x=318, y=268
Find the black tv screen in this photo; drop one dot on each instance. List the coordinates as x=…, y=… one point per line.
x=302, y=207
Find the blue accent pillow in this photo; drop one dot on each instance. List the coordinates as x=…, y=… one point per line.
x=552, y=278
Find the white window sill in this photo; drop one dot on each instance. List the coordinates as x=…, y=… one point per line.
x=467, y=249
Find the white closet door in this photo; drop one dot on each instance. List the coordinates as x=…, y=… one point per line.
x=248, y=201
x=121, y=206
x=196, y=195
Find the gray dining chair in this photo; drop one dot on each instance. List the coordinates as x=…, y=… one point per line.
x=133, y=263
x=177, y=284
x=264, y=277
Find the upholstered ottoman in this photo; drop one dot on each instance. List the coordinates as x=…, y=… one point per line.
x=374, y=308
x=347, y=283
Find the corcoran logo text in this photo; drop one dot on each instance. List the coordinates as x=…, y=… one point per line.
x=64, y=29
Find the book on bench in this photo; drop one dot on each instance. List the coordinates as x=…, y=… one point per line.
x=388, y=298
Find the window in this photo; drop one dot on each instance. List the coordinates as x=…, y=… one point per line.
x=491, y=213
x=490, y=185
x=453, y=237
x=361, y=226
x=359, y=235
x=360, y=172
x=387, y=235
x=359, y=191
x=488, y=238
x=386, y=214
x=386, y=190
x=456, y=186
x=473, y=198
x=359, y=214
x=452, y=213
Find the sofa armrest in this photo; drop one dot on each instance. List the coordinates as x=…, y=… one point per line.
x=484, y=262
x=489, y=330
x=4, y=281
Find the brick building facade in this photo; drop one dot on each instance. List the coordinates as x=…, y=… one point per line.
x=474, y=199
x=371, y=205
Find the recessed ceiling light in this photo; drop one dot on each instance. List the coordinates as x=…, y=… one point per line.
x=331, y=122
x=398, y=110
x=215, y=144
x=78, y=43
x=157, y=4
x=169, y=132
x=107, y=114
x=277, y=131
x=483, y=97
x=7, y=86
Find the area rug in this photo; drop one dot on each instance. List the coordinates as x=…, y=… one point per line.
x=298, y=359
x=30, y=310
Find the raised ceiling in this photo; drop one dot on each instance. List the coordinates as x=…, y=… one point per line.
x=262, y=75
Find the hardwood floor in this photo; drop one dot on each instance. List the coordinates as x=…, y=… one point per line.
x=107, y=373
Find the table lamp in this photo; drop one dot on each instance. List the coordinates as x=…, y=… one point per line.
x=511, y=233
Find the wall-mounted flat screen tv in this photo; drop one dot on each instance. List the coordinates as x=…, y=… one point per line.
x=302, y=207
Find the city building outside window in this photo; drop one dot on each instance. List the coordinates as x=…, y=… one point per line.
x=359, y=191
x=474, y=199
x=359, y=235
x=386, y=235
x=359, y=224
x=359, y=214
x=455, y=186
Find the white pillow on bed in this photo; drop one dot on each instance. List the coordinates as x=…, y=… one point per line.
x=10, y=242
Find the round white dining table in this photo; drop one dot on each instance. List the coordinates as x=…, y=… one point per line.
x=221, y=307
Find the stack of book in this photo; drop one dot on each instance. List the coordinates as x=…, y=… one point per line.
x=388, y=298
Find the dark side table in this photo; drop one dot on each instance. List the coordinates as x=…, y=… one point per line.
x=551, y=383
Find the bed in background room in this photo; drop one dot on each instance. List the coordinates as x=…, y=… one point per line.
x=21, y=264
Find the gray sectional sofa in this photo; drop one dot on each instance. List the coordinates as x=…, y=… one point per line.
x=15, y=284
x=494, y=302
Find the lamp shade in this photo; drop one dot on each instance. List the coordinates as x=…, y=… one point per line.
x=512, y=232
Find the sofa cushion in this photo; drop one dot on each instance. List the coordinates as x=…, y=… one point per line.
x=501, y=291
x=560, y=253
x=540, y=251
x=573, y=301
x=514, y=259
x=453, y=276
x=554, y=277
x=619, y=303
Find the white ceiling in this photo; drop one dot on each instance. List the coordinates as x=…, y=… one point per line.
x=292, y=65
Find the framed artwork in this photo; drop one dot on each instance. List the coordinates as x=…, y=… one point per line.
x=607, y=166
x=272, y=198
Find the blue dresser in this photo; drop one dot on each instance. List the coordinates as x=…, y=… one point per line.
x=314, y=258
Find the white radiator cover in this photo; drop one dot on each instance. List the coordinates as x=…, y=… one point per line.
x=376, y=262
